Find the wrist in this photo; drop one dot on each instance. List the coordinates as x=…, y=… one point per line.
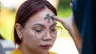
x=72, y=27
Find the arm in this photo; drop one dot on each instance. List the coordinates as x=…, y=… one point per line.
x=74, y=33
x=72, y=29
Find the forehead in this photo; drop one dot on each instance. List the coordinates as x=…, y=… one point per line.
x=39, y=17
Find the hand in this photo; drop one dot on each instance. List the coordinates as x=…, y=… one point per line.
x=68, y=23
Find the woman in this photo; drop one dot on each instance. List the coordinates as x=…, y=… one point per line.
x=35, y=27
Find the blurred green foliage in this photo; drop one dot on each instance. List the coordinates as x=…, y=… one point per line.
x=64, y=9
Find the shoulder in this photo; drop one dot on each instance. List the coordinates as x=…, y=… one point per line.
x=16, y=51
x=52, y=52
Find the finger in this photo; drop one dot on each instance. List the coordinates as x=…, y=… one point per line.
x=58, y=19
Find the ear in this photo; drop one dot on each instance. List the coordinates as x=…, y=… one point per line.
x=18, y=28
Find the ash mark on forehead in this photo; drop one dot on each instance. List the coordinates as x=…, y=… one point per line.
x=48, y=17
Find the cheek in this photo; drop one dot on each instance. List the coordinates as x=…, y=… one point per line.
x=54, y=39
x=29, y=39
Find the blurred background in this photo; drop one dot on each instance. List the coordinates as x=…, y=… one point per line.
x=63, y=45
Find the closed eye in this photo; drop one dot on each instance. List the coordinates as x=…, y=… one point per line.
x=38, y=31
x=53, y=30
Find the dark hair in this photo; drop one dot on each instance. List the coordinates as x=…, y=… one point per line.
x=27, y=9
x=1, y=37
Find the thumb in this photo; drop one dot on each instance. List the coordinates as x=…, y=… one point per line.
x=58, y=19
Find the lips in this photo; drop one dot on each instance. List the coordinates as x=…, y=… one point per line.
x=45, y=46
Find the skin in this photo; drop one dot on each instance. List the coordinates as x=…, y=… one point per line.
x=70, y=25
x=48, y=17
x=30, y=44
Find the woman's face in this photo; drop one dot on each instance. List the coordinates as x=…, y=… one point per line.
x=39, y=32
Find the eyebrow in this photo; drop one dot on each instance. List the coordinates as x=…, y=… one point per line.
x=44, y=25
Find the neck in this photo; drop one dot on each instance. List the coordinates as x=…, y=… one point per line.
x=25, y=50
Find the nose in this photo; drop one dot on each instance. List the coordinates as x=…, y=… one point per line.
x=47, y=37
